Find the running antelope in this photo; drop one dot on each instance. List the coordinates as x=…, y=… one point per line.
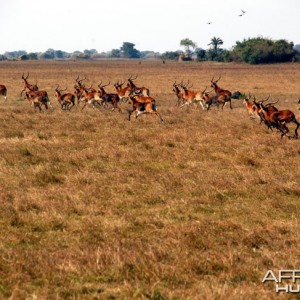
x=3, y=91
x=190, y=96
x=178, y=93
x=79, y=81
x=279, y=119
x=67, y=101
x=251, y=108
x=142, y=105
x=219, y=91
x=122, y=92
x=142, y=90
x=269, y=107
x=31, y=87
x=109, y=97
x=91, y=98
x=37, y=100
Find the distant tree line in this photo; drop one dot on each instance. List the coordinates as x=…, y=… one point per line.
x=253, y=51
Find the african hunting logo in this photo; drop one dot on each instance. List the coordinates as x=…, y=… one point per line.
x=287, y=281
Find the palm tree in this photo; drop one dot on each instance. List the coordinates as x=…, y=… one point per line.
x=215, y=49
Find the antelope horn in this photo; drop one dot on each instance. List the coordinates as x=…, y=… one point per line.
x=262, y=101
x=271, y=103
x=106, y=84
x=218, y=79
x=80, y=80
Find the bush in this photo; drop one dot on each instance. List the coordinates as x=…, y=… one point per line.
x=260, y=50
x=172, y=55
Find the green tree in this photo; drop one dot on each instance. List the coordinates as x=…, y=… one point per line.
x=215, y=52
x=172, y=55
x=261, y=50
x=187, y=44
x=115, y=53
x=128, y=50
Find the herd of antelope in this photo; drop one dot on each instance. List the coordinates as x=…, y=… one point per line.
x=268, y=113
x=141, y=102
x=271, y=116
x=138, y=97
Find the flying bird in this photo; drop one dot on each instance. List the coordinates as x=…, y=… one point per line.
x=208, y=23
x=243, y=12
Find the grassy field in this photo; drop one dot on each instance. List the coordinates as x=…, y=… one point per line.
x=93, y=206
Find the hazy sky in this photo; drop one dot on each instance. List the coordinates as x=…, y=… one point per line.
x=159, y=25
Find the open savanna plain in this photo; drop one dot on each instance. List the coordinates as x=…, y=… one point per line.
x=93, y=206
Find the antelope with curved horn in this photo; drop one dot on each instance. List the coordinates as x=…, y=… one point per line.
x=142, y=105
x=3, y=91
x=37, y=100
x=190, y=96
x=31, y=87
x=269, y=107
x=122, y=92
x=91, y=97
x=67, y=101
x=178, y=93
x=206, y=100
x=109, y=97
x=79, y=81
x=221, y=92
x=279, y=119
x=143, y=90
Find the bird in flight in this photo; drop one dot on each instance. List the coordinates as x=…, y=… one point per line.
x=243, y=12
x=208, y=23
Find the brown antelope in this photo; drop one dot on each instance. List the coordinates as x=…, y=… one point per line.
x=299, y=104
x=279, y=119
x=190, y=96
x=37, y=100
x=216, y=100
x=206, y=101
x=123, y=93
x=67, y=101
x=3, y=91
x=91, y=98
x=178, y=93
x=79, y=81
x=269, y=107
x=31, y=87
x=111, y=98
x=79, y=88
x=251, y=108
x=43, y=94
x=143, y=90
x=142, y=105
x=219, y=91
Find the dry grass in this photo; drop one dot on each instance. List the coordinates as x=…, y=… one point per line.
x=94, y=206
